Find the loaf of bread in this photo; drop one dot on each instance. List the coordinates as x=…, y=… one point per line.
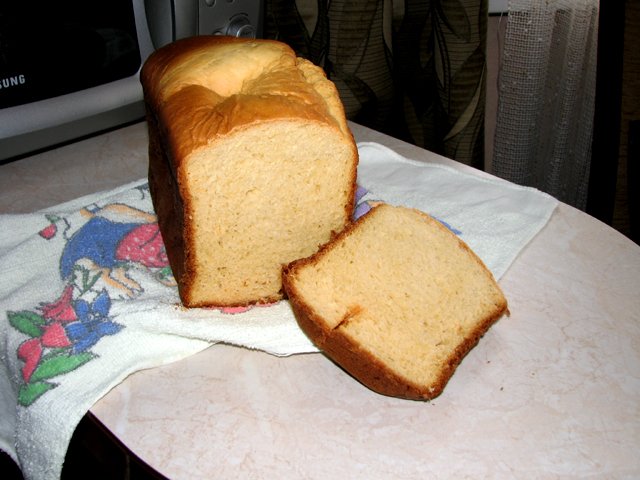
x=251, y=164
x=396, y=299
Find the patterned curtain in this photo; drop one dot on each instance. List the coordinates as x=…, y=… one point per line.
x=414, y=69
x=547, y=95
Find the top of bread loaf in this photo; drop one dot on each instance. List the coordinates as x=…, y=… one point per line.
x=396, y=299
x=243, y=81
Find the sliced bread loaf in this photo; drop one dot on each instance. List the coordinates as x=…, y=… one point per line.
x=251, y=164
x=396, y=299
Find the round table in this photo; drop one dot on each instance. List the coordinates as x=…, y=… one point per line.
x=551, y=391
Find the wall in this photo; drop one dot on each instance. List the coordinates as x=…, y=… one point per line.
x=495, y=37
x=627, y=201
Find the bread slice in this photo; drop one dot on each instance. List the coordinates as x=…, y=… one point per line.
x=251, y=164
x=396, y=299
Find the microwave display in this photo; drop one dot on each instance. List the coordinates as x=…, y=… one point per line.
x=49, y=48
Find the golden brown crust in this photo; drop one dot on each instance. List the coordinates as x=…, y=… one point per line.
x=165, y=197
x=205, y=97
x=357, y=361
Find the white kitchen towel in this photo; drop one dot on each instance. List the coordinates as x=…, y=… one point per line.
x=494, y=217
x=87, y=297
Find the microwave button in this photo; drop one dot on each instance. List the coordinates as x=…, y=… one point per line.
x=240, y=26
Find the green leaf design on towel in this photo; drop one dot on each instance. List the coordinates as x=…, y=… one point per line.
x=29, y=392
x=26, y=322
x=60, y=364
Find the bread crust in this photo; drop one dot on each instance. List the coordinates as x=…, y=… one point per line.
x=356, y=360
x=184, y=88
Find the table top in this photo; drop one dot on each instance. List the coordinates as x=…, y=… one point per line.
x=553, y=390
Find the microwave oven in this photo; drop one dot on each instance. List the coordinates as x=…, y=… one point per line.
x=70, y=68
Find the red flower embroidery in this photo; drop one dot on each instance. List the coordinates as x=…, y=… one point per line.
x=55, y=336
x=61, y=310
x=30, y=352
x=144, y=245
x=49, y=231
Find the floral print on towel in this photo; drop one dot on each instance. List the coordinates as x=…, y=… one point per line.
x=95, y=261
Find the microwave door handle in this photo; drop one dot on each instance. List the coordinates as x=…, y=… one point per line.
x=169, y=20
x=185, y=16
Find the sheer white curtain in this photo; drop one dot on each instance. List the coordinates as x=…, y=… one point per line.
x=546, y=89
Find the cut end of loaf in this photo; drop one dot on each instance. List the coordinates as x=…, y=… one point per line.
x=397, y=300
x=258, y=199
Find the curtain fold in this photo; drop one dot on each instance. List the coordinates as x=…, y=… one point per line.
x=414, y=69
x=546, y=97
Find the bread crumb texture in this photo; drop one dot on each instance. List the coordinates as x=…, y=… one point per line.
x=262, y=213
x=397, y=300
